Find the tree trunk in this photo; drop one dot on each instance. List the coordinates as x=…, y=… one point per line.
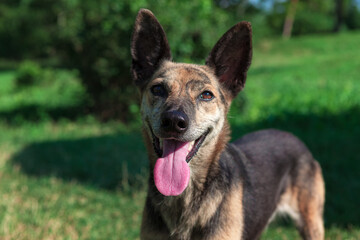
x=241, y=8
x=289, y=20
x=339, y=14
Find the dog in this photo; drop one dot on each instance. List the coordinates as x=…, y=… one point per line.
x=200, y=185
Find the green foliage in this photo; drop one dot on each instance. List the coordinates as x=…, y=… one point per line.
x=54, y=96
x=314, y=16
x=309, y=21
x=94, y=38
x=353, y=16
x=311, y=17
x=28, y=73
x=27, y=28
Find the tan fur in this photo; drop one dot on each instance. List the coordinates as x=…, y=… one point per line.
x=232, y=228
x=289, y=204
x=206, y=156
x=311, y=207
x=304, y=205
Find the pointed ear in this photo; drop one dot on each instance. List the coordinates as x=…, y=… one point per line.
x=149, y=47
x=231, y=57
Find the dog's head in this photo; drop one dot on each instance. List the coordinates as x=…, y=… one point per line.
x=184, y=106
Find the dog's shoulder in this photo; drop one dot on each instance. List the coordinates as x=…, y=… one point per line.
x=232, y=163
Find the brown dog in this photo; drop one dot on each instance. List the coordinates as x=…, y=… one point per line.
x=201, y=186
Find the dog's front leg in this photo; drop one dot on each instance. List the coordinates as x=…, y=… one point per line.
x=231, y=226
x=228, y=223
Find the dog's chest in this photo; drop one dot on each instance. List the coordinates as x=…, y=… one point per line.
x=182, y=215
x=171, y=211
x=179, y=215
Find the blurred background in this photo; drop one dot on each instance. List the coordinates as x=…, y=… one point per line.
x=72, y=161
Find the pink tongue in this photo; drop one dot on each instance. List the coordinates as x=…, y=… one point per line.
x=171, y=172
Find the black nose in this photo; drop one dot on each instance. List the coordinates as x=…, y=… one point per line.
x=174, y=121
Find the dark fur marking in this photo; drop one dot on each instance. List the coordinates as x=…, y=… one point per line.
x=199, y=72
x=162, y=74
x=189, y=109
x=203, y=76
x=156, y=220
x=222, y=97
x=196, y=85
x=214, y=224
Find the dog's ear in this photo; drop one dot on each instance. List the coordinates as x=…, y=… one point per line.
x=231, y=57
x=149, y=47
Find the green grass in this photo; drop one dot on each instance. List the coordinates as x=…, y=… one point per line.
x=67, y=176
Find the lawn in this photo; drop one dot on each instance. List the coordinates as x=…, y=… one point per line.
x=68, y=176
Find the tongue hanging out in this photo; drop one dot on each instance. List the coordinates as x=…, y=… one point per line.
x=171, y=172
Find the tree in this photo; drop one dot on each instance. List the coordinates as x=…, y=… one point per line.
x=339, y=15
x=352, y=18
x=289, y=20
x=312, y=16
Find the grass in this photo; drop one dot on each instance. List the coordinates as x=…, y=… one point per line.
x=67, y=176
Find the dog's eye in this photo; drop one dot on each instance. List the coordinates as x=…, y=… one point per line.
x=158, y=90
x=206, y=96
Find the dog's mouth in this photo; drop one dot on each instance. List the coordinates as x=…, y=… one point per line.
x=171, y=171
x=193, y=146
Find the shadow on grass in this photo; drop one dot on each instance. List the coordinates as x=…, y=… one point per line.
x=35, y=113
x=110, y=162
x=334, y=141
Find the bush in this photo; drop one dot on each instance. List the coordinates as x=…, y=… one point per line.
x=312, y=18
x=27, y=28
x=28, y=73
x=93, y=37
x=307, y=22
x=353, y=17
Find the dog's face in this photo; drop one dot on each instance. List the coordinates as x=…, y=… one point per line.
x=183, y=102
x=184, y=106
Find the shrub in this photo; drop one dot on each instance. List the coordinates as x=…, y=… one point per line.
x=93, y=37
x=28, y=73
x=353, y=17
x=307, y=22
x=27, y=28
x=316, y=17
